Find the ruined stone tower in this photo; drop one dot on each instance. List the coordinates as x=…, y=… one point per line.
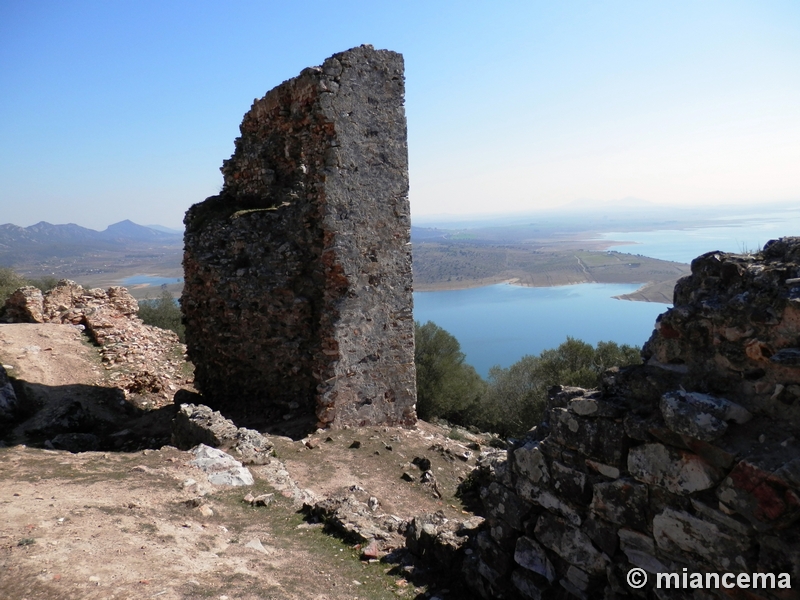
x=298, y=291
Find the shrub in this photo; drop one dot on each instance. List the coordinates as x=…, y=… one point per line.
x=10, y=281
x=447, y=387
x=162, y=312
x=46, y=283
x=516, y=397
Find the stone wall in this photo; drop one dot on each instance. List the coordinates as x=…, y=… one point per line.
x=690, y=461
x=298, y=291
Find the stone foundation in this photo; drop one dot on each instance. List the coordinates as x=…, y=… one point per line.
x=298, y=291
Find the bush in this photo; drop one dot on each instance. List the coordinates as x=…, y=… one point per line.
x=162, y=312
x=447, y=387
x=10, y=281
x=46, y=283
x=516, y=397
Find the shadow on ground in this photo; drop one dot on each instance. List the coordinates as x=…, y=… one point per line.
x=80, y=418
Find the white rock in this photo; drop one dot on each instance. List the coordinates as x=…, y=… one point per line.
x=220, y=468
x=679, y=472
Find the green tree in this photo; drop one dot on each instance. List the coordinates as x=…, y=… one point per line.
x=515, y=398
x=447, y=387
x=10, y=281
x=162, y=312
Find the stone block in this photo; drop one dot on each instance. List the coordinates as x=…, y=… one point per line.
x=687, y=418
x=579, y=578
x=640, y=550
x=717, y=457
x=678, y=471
x=790, y=472
x=502, y=503
x=700, y=416
x=715, y=516
x=570, y=543
x=494, y=563
x=623, y=502
x=530, y=462
x=778, y=555
x=638, y=427
x=559, y=396
x=570, y=483
x=573, y=591
x=602, y=440
x=220, y=468
x=530, y=555
x=765, y=498
x=677, y=531
x=550, y=501
x=198, y=424
x=602, y=533
x=503, y=533
x=527, y=586
x=605, y=470
x=594, y=407
x=298, y=282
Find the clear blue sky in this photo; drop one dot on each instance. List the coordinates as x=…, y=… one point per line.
x=126, y=109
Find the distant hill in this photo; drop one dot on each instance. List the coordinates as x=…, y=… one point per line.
x=48, y=248
x=46, y=234
x=128, y=230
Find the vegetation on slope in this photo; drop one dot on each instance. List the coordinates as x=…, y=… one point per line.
x=162, y=312
x=513, y=399
x=10, y=281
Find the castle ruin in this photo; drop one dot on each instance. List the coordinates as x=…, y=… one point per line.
x=298, y=290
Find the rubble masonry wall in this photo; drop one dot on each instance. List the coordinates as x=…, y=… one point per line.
x=298, y=291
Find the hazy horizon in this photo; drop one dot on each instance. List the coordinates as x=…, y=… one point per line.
x=633, y=210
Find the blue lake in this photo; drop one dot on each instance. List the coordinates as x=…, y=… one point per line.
x=150, y=280
x=499, y=324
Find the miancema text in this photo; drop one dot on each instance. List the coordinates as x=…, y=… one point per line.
x=702, y=581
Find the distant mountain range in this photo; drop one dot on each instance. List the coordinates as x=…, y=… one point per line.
x=44, y=243
x=46, y=234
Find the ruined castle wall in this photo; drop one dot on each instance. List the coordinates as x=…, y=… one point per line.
x=298, y=274
x=691, y=461
x=735, y=329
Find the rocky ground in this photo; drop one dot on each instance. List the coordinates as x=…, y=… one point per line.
x=132, y=518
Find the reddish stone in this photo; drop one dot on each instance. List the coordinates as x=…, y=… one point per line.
x=372, y=551
x=772, y=495
x=668, y=331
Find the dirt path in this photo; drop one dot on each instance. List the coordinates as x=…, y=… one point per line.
x=49, y=354
x=92, y=525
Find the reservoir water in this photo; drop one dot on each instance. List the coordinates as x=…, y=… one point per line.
x=735, y=234
x=150, y=280
x=499, y=324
